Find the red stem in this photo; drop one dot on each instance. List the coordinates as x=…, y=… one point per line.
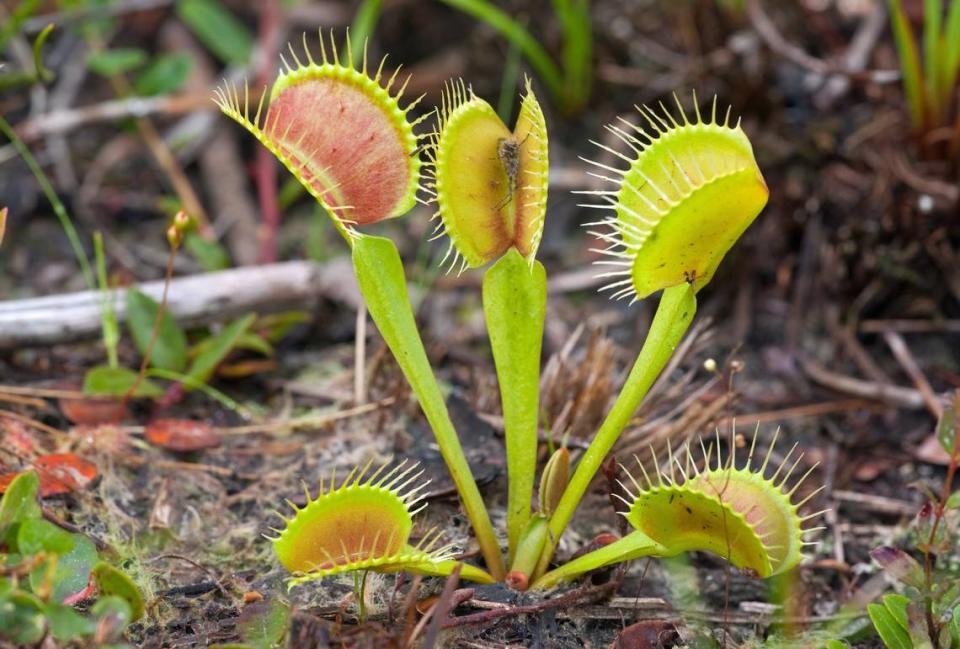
x=933, y=629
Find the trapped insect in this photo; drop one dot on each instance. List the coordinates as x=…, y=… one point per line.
x=508, y=152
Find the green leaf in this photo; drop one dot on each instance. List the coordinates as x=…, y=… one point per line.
x=255, y=343
x=76, y=556
x=264, y=623
x=208, y=253
x=219, y=346
x=113, y=582
x=113, y=614
x=164, y=75
x=73, y=569
x=38, y=535
x=897, y=606
x=170, y=349
x=218, y=29
x=835, y=644
x=947, y=430
x=66, y=624
x=116, y=61
x=21, y=618
x=893, y=634
x=20, y=501
x=116, y=382
x=275, y=326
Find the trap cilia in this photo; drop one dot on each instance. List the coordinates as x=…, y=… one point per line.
x=681, y=190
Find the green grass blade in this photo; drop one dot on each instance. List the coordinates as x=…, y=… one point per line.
x=909, y=63
x=364, y=22
x=514, y=32
x=932, y=58
x=951, y=49
x=508, y=83
x=574, y=17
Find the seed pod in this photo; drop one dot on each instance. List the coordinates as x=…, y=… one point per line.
x=364, y=524
x=690, y=191
x=339, y=132
x=490, y=185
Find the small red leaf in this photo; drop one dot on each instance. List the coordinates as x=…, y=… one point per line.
x=182, y=435
x=63, y=473
x=60, y=473
x=92, y=411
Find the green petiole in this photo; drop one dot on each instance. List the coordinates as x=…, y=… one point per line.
x=384, y=288
x=674, y=315
x=633, y=546
x=514, y=305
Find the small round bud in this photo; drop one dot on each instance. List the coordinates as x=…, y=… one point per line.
x=182, y=221
x=174, y=236
x=710, y=365
x=736, y=365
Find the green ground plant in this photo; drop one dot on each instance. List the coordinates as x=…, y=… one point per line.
x=929, y=75
x=690, y=189
x=45, y=571
x=926, y=614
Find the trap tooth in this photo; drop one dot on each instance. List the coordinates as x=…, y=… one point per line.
x=340, y=132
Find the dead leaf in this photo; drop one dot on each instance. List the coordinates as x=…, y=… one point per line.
x=649, y=634
x=60, y=473
x=92, y=410
x=182, y=435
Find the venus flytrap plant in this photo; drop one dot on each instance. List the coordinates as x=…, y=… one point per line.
x=342, y=133
x=691, y=189
x=490, y=188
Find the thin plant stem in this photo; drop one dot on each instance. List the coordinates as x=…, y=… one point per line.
x=155, y=332
x=108, y=316
x=196, y=384
x=55, y=202
x=674, y=315
x=933, y=629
